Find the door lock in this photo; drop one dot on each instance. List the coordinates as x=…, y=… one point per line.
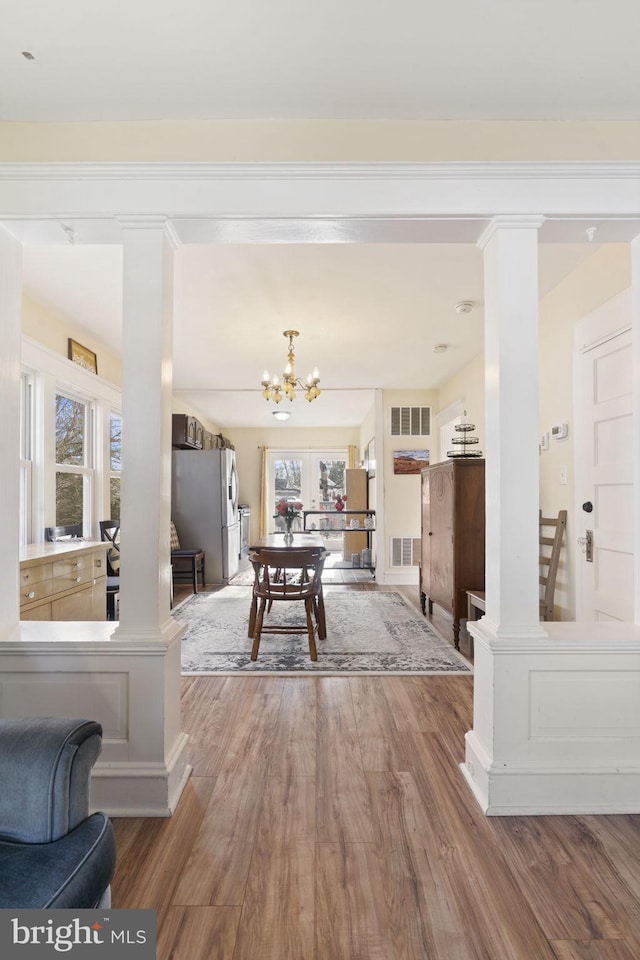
x=586, y=543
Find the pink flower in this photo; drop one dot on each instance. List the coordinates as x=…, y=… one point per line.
x=288, y=509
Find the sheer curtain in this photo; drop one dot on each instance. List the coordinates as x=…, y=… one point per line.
x=264, y=493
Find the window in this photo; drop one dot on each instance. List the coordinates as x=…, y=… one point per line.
x=26, y=455
x=74, y=476
x=115, y=464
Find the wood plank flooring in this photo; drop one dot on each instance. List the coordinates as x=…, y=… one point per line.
x=327, y=819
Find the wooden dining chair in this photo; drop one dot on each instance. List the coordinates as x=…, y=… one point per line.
x=299, y=579
x=186, y=563
x=110, y=533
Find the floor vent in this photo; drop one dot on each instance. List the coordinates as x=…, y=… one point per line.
x=405, y=551
x=410, y=421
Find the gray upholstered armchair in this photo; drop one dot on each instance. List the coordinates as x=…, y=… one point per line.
x=52, y=853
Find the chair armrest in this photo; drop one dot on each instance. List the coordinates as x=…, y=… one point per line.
x=45, y=771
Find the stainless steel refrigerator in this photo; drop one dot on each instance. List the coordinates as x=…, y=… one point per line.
x=204, y=508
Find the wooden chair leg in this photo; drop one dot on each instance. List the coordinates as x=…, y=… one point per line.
x=252, y=617
x=258, y=631
x=308, y=605
x=320, y=616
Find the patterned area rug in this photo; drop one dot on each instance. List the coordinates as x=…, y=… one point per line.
x=367, y=632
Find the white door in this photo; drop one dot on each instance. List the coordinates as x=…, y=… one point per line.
x=604, y=463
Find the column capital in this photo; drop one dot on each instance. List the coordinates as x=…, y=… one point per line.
x=151, y=222
x=509, y=223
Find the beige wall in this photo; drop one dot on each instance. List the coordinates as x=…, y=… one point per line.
x=249, y=443
x=178, y=406
x=52, y=329
x=305, y=140
x=467, y=387
x=401, y=493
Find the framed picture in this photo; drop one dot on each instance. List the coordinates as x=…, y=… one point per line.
x=406, y=462
x=370, y=458
x=83, y=356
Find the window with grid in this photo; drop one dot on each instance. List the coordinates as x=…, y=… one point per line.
x=26, y=456
x=115, y=464
x=74, y=476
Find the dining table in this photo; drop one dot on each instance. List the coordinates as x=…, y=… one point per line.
x=275, y=541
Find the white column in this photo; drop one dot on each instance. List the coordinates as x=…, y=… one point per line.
x=145, y=499
x=10, y=322
x=635, y=319
x=511, y=396
x=499, y=739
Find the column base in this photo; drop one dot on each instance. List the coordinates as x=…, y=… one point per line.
x=556, y=721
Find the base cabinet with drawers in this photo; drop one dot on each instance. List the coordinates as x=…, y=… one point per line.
x=63, y=581
x=453, y=536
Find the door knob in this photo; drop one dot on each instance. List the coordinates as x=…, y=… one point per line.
x=587, y=507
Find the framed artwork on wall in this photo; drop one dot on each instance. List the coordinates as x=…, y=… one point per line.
x=370, y=458
x=406, y=462
x=82, y=356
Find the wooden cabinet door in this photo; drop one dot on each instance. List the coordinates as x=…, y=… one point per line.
x=425, y=553
x=356, y=491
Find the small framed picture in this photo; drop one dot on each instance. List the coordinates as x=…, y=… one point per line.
x=83, y=356
x=406, y=462
x=370, y=458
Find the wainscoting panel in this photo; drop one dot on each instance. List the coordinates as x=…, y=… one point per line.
x=50, y=695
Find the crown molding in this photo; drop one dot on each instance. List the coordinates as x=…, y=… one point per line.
x=455, y=170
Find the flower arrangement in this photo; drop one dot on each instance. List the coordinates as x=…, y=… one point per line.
x=288, y=510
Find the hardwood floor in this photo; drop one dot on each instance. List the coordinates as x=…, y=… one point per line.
x=327, y=819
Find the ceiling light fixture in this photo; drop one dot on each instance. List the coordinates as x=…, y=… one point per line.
x=275, y=388
x=464, y=306
x=281, y=414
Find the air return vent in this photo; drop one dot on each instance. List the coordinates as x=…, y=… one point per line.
x=405, y=551
x=410, y=421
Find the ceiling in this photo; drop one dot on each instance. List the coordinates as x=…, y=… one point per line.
x=410, y=59
x=369, y=314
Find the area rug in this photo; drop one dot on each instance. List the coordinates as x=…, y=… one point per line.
x=367, y=632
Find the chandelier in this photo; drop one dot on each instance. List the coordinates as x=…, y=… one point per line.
x=275, y=387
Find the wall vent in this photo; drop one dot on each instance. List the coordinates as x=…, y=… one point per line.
x=405, y=551
x=410, y=421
